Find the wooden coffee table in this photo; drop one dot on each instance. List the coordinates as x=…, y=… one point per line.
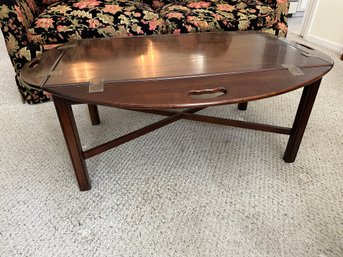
x=193, y=71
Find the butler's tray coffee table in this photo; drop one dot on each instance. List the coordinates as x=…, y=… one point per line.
x=155, y=74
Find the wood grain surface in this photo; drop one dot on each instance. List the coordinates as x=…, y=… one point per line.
x=165, y=71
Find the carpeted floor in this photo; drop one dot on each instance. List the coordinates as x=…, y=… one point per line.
x=189, y=189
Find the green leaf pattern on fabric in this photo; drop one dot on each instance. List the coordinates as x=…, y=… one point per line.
x=219, y=15
x=94, y=18
x=4, y=11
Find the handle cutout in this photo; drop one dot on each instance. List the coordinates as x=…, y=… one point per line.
x=207, y=93
x=34, y=63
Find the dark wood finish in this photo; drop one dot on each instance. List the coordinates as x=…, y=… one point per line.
x=222, y=121
x=157, y=72
x=238, y=124
x=138, y=133
x=174, y=116
x=303, y=114
x=94, y=114
x=173, y=93
x=193, y=71
x=71, y=135
x=342, y=57
x=243, y=106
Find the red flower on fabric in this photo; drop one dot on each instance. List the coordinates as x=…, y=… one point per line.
x=225, y=7
x=176, y=15
x=93, y=23
x=199, y=5
x=44, y=23
x=62, y=28
x=282, y=26
x=19, y=13
x=112, y=8
x=153, y=24
x=86, y=4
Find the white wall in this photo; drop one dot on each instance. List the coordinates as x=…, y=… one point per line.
x=302, y=5
x=326, y=26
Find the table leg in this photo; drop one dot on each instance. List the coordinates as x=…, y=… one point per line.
x=242, y=106
x=94, y=113
x=303, y=114
x=71, y=136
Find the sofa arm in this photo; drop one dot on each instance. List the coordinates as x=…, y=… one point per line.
x=15, y=19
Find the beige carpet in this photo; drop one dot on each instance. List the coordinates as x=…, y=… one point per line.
x=189, y=189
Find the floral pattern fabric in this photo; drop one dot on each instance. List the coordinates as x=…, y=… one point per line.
x=15, y=18
x=76, y=19
x=33, y=26
x=47, y=2
x=213, y=15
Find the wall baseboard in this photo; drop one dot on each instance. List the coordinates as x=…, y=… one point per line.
x=324, y=42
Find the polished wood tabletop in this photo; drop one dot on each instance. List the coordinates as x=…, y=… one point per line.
x=172, y=71
x=152, y=73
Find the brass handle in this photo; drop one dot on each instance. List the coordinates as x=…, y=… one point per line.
x=207, y=93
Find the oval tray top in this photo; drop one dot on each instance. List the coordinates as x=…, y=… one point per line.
x=176, y=71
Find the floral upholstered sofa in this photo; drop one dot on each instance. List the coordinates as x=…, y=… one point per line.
x=33, y=26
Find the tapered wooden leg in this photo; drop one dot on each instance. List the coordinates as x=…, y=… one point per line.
x=94, y=114
x=71, y=136
x=242, y=106
x=303, y=114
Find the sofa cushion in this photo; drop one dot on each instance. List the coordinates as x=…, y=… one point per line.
x=157, y=4
x=207, y=15
x=76, y=19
